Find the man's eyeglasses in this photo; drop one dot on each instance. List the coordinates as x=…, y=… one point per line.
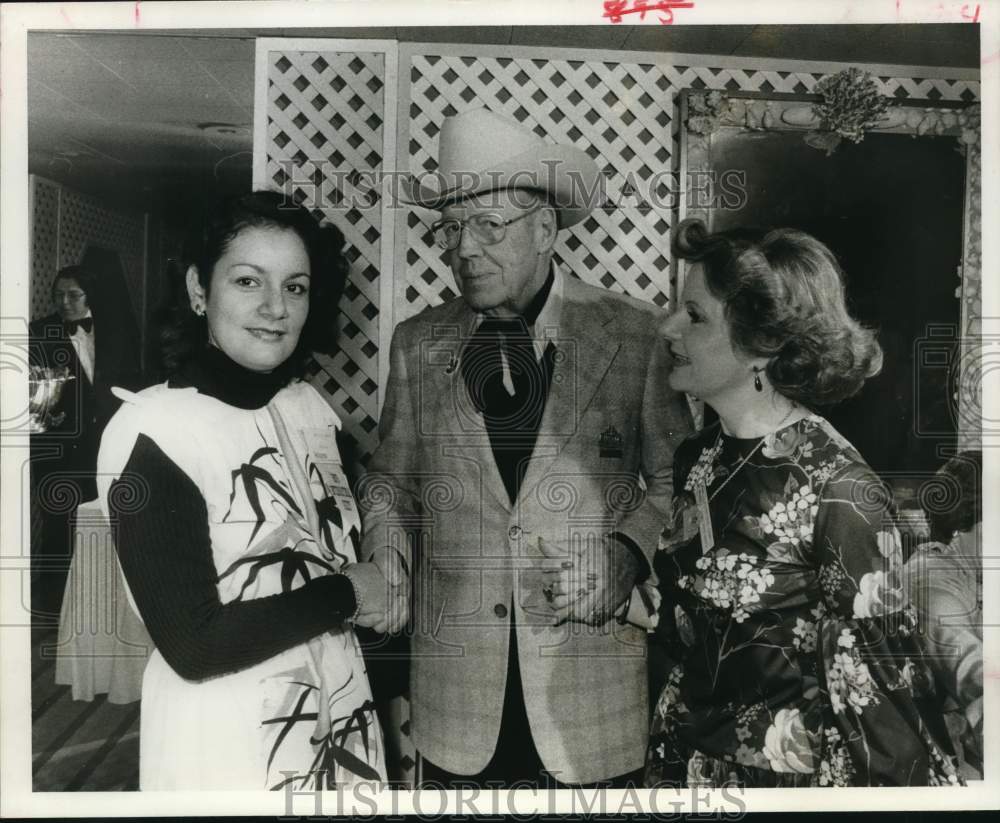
x=487, y=229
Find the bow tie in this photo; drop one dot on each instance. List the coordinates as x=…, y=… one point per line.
x=72, y=325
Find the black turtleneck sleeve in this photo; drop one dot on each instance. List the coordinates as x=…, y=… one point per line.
x=166, y=556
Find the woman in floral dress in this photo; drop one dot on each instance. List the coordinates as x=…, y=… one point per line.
x=236, y=528
x=779, y=573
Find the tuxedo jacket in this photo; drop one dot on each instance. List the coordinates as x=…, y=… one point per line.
x=433, y=486
x=70, y=449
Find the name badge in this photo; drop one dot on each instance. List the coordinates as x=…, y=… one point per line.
x=322, y=446
x=683, y=526
x=704, y=517
x=689, y=523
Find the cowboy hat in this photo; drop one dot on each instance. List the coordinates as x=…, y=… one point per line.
x=481, y=151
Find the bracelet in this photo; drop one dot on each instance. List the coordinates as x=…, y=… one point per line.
x=357, y=596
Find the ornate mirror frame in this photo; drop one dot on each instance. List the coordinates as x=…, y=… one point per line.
x=705, y=112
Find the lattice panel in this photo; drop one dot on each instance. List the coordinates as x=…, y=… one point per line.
x=325, y=144
x=617, y=113
x=44, y=243
x=622, y=114
x=84, y=220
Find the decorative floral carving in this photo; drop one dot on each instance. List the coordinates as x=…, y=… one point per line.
x=704, y=110
x=851, y=104
x=970, y=276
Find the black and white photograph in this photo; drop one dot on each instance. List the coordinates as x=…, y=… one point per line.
x=574, y=409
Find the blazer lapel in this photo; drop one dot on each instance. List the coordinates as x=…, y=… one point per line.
x=587, y=345
x=459, y=423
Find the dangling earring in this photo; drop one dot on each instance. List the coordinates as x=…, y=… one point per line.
x=199, y=310
x=756, y=379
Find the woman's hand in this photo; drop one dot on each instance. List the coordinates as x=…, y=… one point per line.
x=382, y=588
x=587, y=580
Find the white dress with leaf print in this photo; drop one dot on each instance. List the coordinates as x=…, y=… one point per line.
x=304, y=717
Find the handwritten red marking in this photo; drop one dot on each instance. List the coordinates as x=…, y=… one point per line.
x=973, y=17
x=137, y=22
x=615, y=10
x=65, y=16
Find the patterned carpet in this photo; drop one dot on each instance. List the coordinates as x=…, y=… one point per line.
x=78, y=745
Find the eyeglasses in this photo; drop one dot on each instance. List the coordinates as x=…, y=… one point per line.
x=488, y=229
x=73, y=295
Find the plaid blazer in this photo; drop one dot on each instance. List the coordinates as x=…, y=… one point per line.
x=433, y=485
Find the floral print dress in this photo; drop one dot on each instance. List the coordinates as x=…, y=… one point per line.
x=795, y=656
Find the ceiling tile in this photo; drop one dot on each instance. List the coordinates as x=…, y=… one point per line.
x=183, y=71
x=235, y=78
x=581, y=37
x=686, y=39
x=42, y=96
x=219, y=49
x=454, y=34
x=86, y=90
x=54, y=68
x=838, y=43
x=340, y=33
x=107, y=47
x=912, y=45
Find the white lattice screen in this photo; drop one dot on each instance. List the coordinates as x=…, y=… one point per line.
x=325, y=139
x=615, y=112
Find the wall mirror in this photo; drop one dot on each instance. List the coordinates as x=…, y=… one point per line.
x=900, y=209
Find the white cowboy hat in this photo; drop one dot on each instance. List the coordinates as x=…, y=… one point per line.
x=481, y=151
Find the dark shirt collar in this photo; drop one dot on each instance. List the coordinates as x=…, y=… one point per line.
x=214, y=373
x=538, y=301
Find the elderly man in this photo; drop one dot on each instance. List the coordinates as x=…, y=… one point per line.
x=525, y=461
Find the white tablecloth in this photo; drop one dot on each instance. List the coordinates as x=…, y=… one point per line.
x=102, y=645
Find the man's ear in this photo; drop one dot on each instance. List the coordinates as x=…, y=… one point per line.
x=196, y=293
x=547, y=228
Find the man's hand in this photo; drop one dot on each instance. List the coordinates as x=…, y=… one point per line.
x=589, y=579
x=383, y=586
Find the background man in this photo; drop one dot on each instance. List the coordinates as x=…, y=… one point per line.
x=64, y=458
x=518, y=420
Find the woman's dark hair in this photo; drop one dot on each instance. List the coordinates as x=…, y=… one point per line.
x=783, y=297
x=959, y=505
x=184, y=333
x=86, y=280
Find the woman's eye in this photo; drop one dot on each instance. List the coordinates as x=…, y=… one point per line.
x=245, y=281
x=298, y=288
x=695, y=317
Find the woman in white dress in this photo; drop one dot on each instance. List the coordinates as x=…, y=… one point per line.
x=236, y=529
